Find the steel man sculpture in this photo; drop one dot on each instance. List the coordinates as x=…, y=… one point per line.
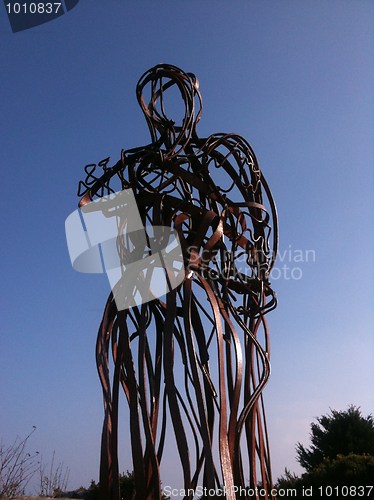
x=194, y=362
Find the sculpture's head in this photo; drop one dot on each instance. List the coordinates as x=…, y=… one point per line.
x=171, y=102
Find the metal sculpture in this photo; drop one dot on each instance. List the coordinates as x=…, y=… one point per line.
x=200, y=357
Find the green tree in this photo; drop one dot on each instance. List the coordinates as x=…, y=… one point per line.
x=344, y=470
x=340, y=433
x=345, y=473
x=341, y=455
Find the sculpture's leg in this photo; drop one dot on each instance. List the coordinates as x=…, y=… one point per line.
x=108, y=463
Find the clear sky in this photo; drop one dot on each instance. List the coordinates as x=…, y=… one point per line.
x=296, y=79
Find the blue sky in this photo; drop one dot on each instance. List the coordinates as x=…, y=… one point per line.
x=295, y=78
